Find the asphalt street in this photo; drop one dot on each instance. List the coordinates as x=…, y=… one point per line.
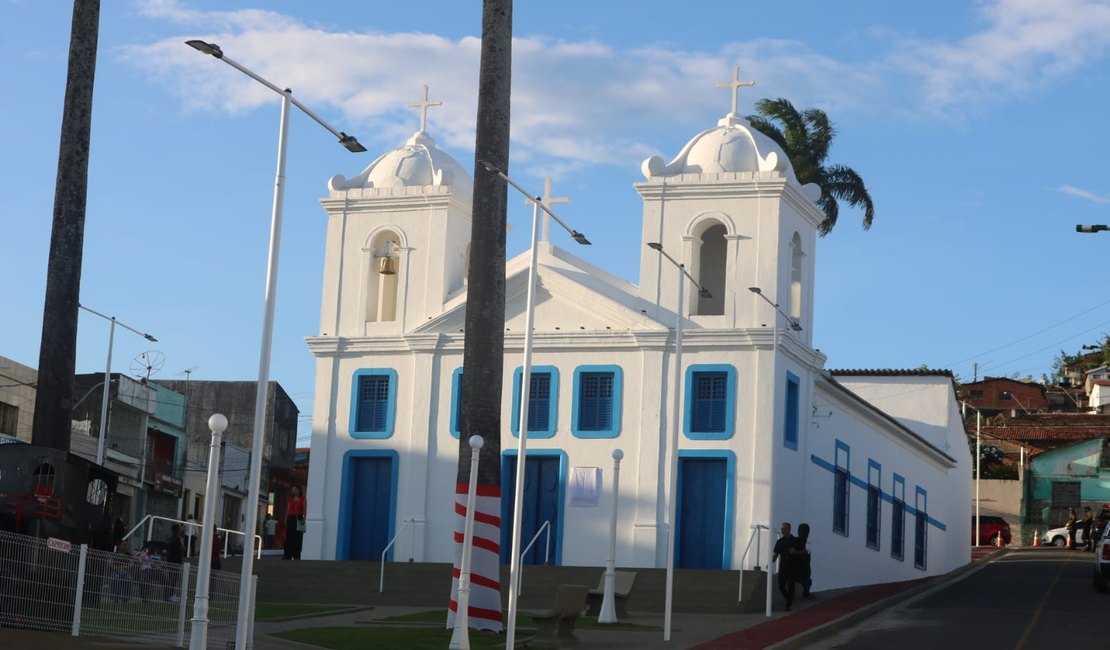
x=1026, y=599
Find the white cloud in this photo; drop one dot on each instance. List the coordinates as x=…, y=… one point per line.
x=1083, y=194
x=582, y=103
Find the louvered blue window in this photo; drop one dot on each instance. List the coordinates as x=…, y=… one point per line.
x=842, y=482
x=920, y=529
x=597, y=402
x=790, y=418
x=456, y=402
x=710, y=402
x=542, y=400
x=373, y=403
x=898, y=518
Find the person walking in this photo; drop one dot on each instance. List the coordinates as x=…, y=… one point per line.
x=294, y=524
x=783, y=548
x=1071, y=524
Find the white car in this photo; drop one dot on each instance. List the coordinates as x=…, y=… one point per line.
x=1102, y=561
x=1059, y=537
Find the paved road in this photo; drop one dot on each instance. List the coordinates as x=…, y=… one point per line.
x=1026, y=600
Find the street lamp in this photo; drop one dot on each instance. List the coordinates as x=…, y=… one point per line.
x=978, y=461
x=108, y=376
x=672, y=487
x=525, y=388
x=1095, y=227
x=352, y=145
x=198, y=640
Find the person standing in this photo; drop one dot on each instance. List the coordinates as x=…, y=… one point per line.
x=1085, y=525
x=175, y=550
x=801, y=557
x=270, y=528
x=1071, y=524
x=783, y=549
x=294, y=524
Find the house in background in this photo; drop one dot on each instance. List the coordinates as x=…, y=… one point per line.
x=17, y=400
x=994, y=395
x=1069, y=476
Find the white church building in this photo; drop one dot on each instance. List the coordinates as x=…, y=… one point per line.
x=875, y=461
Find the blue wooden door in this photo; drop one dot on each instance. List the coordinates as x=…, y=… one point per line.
x=369, y=529
x=541, y=504
x=701, y=513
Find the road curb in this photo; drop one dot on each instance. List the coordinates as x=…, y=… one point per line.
x=827, y=630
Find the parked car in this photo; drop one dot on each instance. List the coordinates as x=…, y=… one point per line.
x=1102, y=561
x=1059, y=536
x=990, y=527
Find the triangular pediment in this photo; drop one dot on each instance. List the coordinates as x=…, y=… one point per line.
x=570, y=297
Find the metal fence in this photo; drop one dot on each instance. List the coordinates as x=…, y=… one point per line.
x=52, y=585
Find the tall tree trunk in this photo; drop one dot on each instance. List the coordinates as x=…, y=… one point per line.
x=483, y=352
x=58, y=348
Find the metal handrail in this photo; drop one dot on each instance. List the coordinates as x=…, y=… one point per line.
x=757, y=533
x=408, y=522
x=153, y=518
x=546, y=552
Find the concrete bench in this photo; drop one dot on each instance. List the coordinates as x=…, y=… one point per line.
x=555, y=627
x=622, y=586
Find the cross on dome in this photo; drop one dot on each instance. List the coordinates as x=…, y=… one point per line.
x=735, y=84
x=548, y=200
x=423, y=106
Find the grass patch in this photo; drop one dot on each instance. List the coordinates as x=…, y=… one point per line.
x=359, y=638
x=270, y=611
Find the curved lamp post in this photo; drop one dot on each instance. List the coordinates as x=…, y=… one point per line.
x=525, y=387
x=100, y=442
x=672, y=487
x=352, y=145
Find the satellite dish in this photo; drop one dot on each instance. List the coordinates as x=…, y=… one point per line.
x=147, y=364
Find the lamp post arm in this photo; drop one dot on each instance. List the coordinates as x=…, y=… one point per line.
x=123, y=325
x=577, y=236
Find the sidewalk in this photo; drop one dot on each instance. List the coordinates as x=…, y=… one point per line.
x=812, y=619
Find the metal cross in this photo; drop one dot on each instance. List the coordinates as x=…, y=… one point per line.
x=735, y=85
x=423, y=106
x=547, y=200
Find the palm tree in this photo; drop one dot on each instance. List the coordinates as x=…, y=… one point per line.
x=58, y=348
x=484, y=344
x=806, y=137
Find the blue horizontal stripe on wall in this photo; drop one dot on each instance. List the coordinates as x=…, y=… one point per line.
x=910, y=510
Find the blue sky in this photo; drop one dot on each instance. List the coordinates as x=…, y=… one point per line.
x=979, y=128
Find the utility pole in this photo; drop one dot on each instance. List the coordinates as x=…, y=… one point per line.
x=58, y=347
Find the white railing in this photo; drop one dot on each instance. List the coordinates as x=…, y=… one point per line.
x=149, y=521
x=757, y=535
x=546, y=552
x=57, y=586
x=412, y=551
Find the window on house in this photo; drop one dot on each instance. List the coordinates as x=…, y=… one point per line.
x=542, y=394
x=790, y=419
x=976, y=393
x=374, y=404
x=921, y=522
x=1004, y=396
x=841, y=484
x=597, y=402
x=874, y=499
x=897, y=529
x=456, y=402
x=9, y=418
x=710, y=402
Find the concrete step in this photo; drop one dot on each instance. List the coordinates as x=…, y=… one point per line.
x=429, y=585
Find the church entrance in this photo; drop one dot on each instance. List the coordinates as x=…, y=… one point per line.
x=371, y=480
x=542, y=505
x=702, y=507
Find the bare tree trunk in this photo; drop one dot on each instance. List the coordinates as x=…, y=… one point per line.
x=483, y=353
x=58, y=348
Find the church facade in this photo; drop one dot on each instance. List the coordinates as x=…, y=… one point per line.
x=875, y=461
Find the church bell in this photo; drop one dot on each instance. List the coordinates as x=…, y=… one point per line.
x=387, y=266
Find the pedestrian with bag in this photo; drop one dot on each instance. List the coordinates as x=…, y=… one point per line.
x=294, y=524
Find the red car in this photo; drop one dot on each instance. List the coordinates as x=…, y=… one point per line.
x=990, y=527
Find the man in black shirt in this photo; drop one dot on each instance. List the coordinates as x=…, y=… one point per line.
x=786, y=566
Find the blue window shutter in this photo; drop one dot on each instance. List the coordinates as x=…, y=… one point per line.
x=596, y=408
x=710, y=402
x=539, y=402
x=373, y=407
